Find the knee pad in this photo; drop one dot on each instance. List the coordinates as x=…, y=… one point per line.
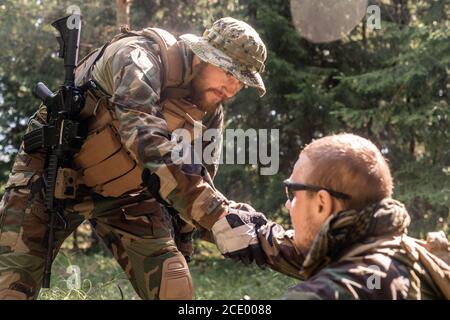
x=17, y=286
x=8, y=294
x=176, y=281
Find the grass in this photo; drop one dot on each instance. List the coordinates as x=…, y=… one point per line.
x=214, y=278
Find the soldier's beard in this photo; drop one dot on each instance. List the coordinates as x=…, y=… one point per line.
x=304, y=245
x=305, y=235
x=200, y=89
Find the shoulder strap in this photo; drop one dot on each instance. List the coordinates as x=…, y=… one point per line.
x=170, y=56
x=87, y=63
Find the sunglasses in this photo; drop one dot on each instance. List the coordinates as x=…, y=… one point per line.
x=290, y=187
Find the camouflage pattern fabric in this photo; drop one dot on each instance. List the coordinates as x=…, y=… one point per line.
x=183, y=234
x=137, y=230
x=130, y=72
x=234, y=46
x=356, y=255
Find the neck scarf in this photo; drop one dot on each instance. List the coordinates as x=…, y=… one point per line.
x=346, y=228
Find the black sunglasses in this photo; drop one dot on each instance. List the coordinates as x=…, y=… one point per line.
x=292, y=186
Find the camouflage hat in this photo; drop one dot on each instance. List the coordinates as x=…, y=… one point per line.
x=234, y=46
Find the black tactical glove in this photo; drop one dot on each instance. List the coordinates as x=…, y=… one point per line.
x=236, y=236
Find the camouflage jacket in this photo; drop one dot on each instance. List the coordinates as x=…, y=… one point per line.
x=357, y=255
x=130, y=72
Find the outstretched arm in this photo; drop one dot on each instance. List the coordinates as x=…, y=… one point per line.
x=279, y=249
x=136, y=71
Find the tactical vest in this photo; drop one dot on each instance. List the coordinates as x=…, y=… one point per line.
x=103, y=163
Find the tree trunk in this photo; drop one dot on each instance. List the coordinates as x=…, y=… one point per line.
x=123, y=12
x=251, y=11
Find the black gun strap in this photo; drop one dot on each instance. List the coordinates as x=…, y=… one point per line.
x=151, y=180
x=33, y=140
x=95, y=55
x=39, y=138
x=99, y=51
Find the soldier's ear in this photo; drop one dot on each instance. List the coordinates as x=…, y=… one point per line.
x=196, y=61
x=325, y=203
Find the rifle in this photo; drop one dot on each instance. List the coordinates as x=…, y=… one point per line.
x=62, y=135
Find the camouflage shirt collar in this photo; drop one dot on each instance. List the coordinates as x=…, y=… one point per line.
x=187, y=55
x=346, y=228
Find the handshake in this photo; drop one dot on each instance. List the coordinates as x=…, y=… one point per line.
x=236, y=234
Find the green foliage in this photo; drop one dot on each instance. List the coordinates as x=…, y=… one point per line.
x=101, y=279
x=213, y=277
x=426, y=191
x=389, y=85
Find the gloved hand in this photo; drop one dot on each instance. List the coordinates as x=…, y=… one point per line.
x=236, y=236
x=241, y=206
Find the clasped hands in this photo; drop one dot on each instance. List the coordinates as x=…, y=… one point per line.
x=236, y=235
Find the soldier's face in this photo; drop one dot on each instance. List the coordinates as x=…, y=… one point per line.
x=308, y=210
x=212, y=86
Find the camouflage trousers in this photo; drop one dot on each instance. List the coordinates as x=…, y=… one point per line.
x=136, y=229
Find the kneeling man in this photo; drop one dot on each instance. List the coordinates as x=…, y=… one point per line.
x=349, y=237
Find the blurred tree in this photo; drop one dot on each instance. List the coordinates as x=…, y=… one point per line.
x=123, y=12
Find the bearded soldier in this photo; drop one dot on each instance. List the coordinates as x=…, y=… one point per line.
x=145, y=85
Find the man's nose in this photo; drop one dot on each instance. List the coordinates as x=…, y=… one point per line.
x=288, y=204
x=229, y=92
x=233, y=86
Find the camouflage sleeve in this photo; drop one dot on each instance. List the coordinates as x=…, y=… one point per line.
x=279, y=249
x=136, y=73
x=326, y=285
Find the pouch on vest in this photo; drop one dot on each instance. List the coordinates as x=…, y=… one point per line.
x=104, y=163
x=181, y=114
